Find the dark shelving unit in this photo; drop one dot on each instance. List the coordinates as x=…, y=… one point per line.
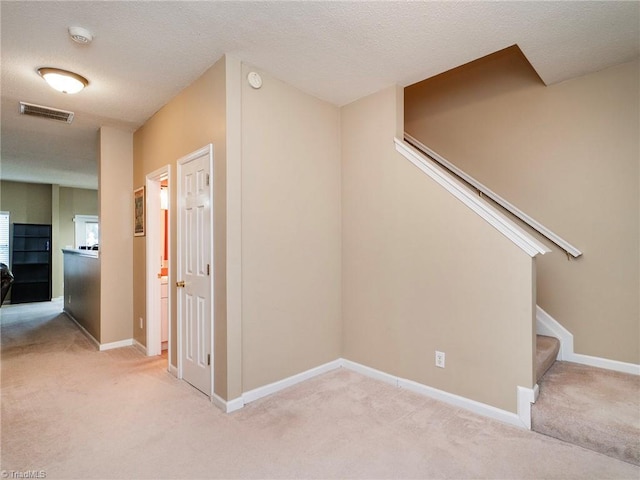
x=31, y=263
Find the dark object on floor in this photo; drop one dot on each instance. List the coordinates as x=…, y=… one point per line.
x=5, y=281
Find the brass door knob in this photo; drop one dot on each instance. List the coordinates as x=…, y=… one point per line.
x=180, y=284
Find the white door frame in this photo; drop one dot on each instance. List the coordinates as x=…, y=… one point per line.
x=153, y=253
x=208, y=149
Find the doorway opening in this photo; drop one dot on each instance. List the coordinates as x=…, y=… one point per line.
x=158, y=263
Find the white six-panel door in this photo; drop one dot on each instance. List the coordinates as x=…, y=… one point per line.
x=195, y=268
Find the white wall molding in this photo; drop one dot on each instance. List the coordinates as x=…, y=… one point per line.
x=140, y=346
x=227, y=406
x=525, y=396
x=450, y=398
x=83, y=330
x=119, y=344
x=371, y=372
x=274, y=387
x=489, y=213
x=615, y=365
x=101, y=346
x=172, y=370
x=547, y=325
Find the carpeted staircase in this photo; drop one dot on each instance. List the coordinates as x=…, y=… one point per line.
x=547, y=349
x=591, y=407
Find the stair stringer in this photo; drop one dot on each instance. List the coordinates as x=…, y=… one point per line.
x=547, y=325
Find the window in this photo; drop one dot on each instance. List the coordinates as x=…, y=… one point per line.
x=87, y=231
x=4, y=238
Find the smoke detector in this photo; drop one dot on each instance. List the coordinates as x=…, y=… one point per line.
x=80, y=35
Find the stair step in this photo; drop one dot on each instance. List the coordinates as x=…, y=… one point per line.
x=590, y=407
x=547, y=349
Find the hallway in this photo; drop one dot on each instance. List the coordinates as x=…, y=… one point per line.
x=73, y=412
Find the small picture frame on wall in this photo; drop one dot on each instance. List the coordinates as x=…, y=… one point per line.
x=138, y=212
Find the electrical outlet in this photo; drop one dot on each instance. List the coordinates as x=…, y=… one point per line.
x=439, y=359
x=140, y=322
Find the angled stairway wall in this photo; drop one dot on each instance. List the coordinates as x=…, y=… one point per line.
x=567, y=155
x=422, y=272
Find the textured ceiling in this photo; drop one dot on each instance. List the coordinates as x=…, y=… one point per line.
x=144, y=53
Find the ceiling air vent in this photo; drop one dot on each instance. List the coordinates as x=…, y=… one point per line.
x=46, y=112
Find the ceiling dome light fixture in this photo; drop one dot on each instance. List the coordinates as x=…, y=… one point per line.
x=62, y=80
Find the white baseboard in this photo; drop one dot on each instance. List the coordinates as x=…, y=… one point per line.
x=173, y=370
x=606, y=363
x=547, y=325
x=260, y=392
x=83, y=330
x=101, y=346
x=227, y=406
x=232, y=405
x=526, y=396
x=140, y=346
x=522, y=419
x=371, y=372
x=119, y=344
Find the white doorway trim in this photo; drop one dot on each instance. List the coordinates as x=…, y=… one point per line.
x=206, y=150
x=153, y=253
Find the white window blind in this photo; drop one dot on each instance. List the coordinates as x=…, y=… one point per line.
x=4, y=237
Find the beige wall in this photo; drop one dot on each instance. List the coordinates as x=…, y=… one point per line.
x=71, y=202
x=116, y=234
x=567, y=155
x=290, y=232
x=27, y=202
x=421, y=272
x=283, y=217
x=193, y=119
x=229, y=337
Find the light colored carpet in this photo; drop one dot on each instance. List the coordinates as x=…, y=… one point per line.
x=547, y=349
x=74, y=412
x=595, y=408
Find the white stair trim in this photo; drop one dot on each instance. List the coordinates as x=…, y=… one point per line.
x=547, y=325
x=562, y=243
x=526, y=396
x=485, y=210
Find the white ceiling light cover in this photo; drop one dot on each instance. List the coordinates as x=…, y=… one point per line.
x=62, y=80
